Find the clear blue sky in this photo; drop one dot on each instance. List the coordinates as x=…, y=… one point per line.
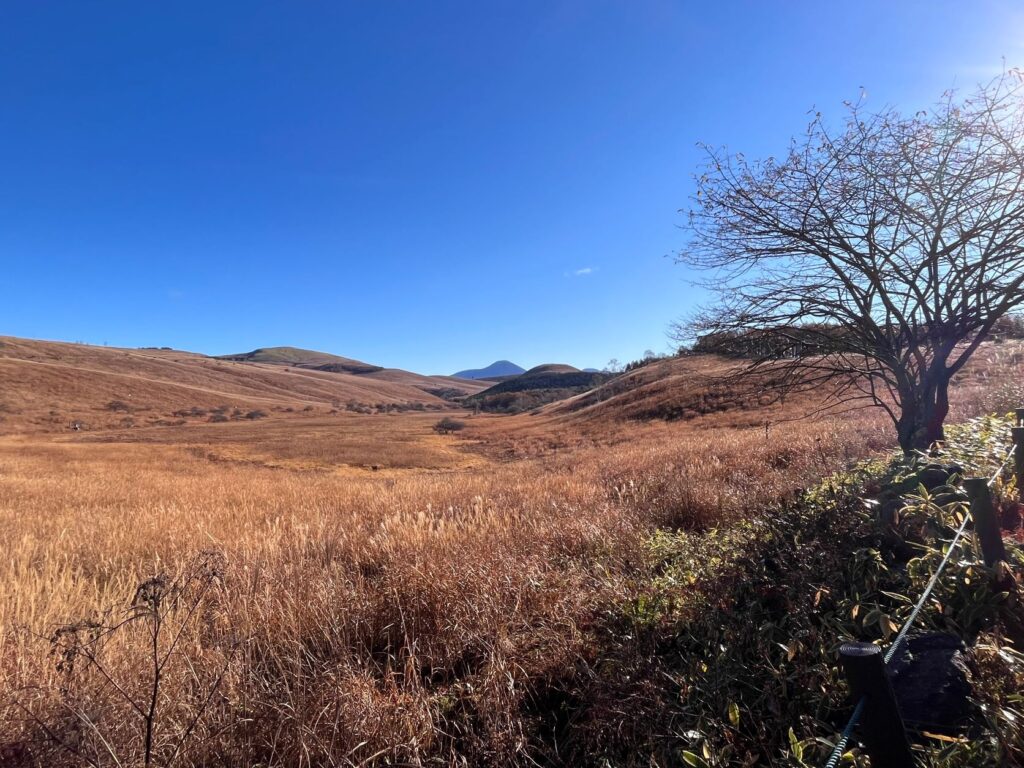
x=427, y=185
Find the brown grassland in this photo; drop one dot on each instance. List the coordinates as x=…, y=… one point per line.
x=354, y=589
x=45, y=386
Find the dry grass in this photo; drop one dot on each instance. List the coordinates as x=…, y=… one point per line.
x=338, y=444
x=408, y=616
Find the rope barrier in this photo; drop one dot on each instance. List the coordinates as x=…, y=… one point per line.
x=844, y=739
x=840, y=748
x=1006, y=460
x=901, y=636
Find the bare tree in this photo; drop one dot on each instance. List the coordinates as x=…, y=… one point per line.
x=872, y=261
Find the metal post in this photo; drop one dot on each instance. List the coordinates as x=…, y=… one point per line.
x=882, y=724
x=1018, y=458
x=986, y=527
x=1020, y=417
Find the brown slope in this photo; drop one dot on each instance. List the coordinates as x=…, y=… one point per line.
x=324, y=361
x=47, y=385
x=692, y=386
x=302, y=358
x=671, y=388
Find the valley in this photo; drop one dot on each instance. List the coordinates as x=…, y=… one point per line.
x=426, y=591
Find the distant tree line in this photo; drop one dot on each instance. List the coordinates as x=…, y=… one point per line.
x=649, y=357
x=811, y=339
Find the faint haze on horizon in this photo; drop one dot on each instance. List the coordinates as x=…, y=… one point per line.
x=424, y=186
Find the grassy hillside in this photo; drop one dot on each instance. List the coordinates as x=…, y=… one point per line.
x=685, y=395
x=47, y=386
x=448, y=387
x=691, y=386
x=302, y=358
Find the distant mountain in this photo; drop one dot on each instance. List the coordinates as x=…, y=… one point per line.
x=492, y=371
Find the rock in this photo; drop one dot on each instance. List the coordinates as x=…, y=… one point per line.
x=888, y=511
x=933, y=476
x=932, y=683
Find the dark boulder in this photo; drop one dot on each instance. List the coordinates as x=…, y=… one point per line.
x=933, y=476
x=932, y=683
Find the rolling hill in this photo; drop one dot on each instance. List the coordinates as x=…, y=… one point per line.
x=538, y=386
x=49, y=386
x=691, y=386
x=446, y=387
x=302, y=358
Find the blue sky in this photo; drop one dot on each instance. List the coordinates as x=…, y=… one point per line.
x=426, y=185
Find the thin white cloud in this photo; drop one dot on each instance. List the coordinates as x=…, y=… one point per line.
x=583, y=271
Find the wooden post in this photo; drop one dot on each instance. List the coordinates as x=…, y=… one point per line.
x=986, y=527
x=882, y=725
x=1018, y=457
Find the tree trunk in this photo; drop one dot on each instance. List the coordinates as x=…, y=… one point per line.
x=924, y=413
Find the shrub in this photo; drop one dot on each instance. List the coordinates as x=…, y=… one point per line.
x=256, y=415
x=447, y=425
x=450, y=394
x=193, y=411
x=118, y=406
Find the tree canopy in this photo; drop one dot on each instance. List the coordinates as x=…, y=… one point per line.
x=874, y=258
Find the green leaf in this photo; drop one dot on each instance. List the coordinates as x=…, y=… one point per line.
x=691, y=758
x=897, y=596
x=795, y=746
x=734, y=714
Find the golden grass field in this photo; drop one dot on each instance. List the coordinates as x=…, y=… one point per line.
x=312, y=610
